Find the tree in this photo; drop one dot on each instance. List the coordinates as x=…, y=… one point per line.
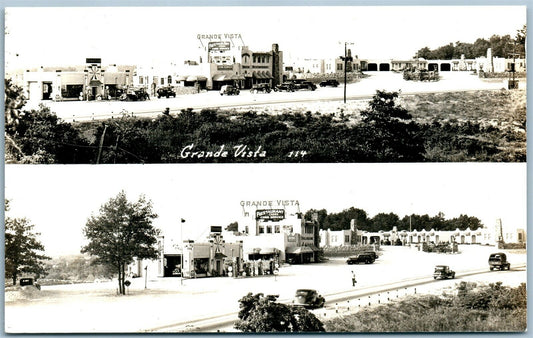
x=22, y=251
x=14, y=101
x=387, y=133
x=383, y=221
x=121, y=232
x=233, y=226
x=259, y=313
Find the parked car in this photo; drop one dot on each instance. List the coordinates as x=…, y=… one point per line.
x=300, y=84
x=332, y=83
x=261, y=88
x=443, y=272
x=361, y=258
x=30, y=282
x=229, y=90
x=135, y=94
x=499, y=261
x=371, y=253
x=308, y=298
x=285, y=86
x=166, y=92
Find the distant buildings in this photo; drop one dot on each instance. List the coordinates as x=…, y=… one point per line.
x=222, y=61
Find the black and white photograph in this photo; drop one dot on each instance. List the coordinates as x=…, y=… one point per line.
x=265, y=169
x=311, y=84
x=270, y=248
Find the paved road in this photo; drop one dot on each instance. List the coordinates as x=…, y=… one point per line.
x=364, y=89
x=95, y=308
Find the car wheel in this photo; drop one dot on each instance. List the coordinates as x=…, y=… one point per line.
x=491, y=268
x=434, y=277
x=453, y=275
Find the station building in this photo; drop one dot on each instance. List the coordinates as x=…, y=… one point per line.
x=268, y=233
x=483, y=236
x=89, y=81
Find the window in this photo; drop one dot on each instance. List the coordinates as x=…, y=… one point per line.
x=269, y=229
x=246, y=229
x=339, y=66
x=347, y=239
x=254, y=59
x=141, y=80
x=276, y=229
x=162, y=81
x=169, y=79
x=261, y=229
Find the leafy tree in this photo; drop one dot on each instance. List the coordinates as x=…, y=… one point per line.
x=383, y=221
x=14, y=101
x=22, y=250
x=121, y=232
x=44, y=138
x=321, y=214
x=259, y=313
x=388, y=135
x=233, y=226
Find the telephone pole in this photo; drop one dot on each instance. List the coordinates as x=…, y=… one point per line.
x=346, y=58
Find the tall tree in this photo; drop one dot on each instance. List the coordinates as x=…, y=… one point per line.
x=23, y=249
x=121, y=232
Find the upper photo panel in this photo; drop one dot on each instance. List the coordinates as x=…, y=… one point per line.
x=104, y=85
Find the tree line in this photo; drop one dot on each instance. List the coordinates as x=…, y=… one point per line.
x=386, y=132
x=386, y=221
x=501, y=46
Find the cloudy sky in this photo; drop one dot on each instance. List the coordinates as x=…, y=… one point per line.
x=58, y=199
x=152, y=35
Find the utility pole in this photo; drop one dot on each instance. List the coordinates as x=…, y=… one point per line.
x=346, y=58
x=101, y=145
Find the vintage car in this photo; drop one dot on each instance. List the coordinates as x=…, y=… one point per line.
x=166, y=92
x=361, y=258
x=29, y=282
x=499, y=261
x=261, y=88
x=332, y=83
x=308, y=298
x=300, y=84
x=285, y=86
x=443, y=272
x=134, y=94
x=371, y=253
x=229, y=90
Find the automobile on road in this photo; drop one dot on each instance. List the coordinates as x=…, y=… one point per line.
x=499, y=261
x=135, y=94
x=443, y=272
x=332, y=83
x=166, y=92
x=300, y=84
x=285, y=86
x=361, y=258
x=229, y=90
x=261, y=88
x=308, y=298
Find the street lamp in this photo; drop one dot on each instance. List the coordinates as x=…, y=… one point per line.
x=346, y=58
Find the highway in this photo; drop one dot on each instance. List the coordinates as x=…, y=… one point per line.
x=350, y=301
x=71, y=111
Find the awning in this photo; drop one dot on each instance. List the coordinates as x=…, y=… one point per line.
x=219, y=255
x=262, y=75
x=299, y=250
x=219, y=77
x=237, y=77
x=267, y=251
x=95, y=83
x=182, y=78
x=193, y=78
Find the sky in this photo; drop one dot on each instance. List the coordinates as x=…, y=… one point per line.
x=153, y=35
x=58, y=199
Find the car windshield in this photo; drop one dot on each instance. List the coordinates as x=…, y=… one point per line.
x=303, y=292
x=440, y=268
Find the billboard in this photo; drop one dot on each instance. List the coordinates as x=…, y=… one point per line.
x=272, y=215
x=218, y=46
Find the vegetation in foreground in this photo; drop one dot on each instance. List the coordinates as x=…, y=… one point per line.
x=453, y=127
x=483, y=308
